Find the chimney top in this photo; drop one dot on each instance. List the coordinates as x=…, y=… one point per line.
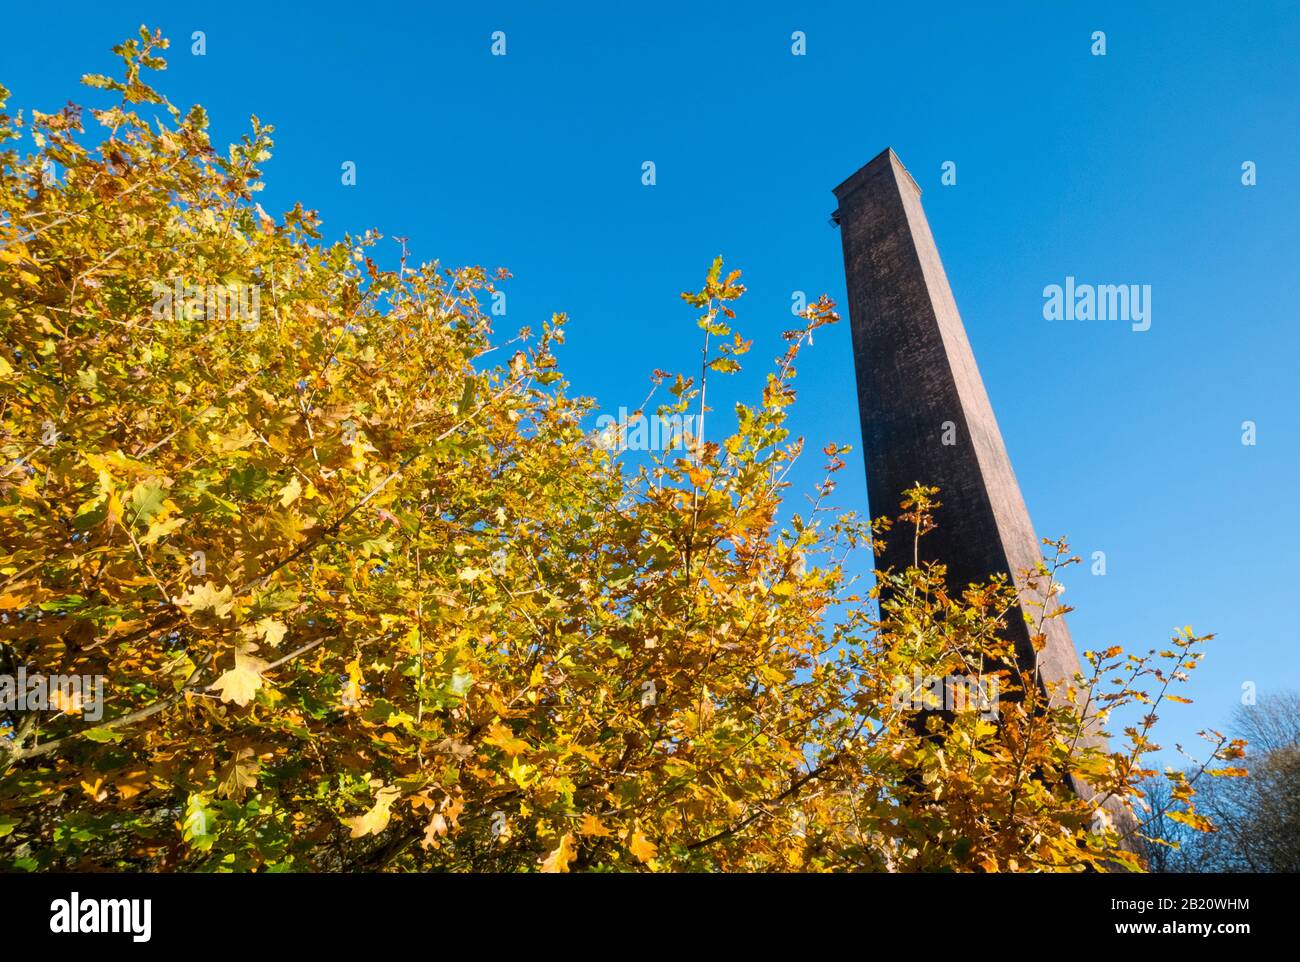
x=885, y=161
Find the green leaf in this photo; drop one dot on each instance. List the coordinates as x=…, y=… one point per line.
x=147, y=499
x=103, y=735
x=197, y=825
x=460, y=684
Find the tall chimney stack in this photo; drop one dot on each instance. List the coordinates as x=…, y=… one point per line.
x=925, y=414
x=926, y=418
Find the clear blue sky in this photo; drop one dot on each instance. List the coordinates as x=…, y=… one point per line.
x=1117, y=169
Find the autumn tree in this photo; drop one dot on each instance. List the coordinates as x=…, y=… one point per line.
x=365, y=592
x=1257, y=817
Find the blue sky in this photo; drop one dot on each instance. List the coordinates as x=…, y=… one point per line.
x=1122, y=169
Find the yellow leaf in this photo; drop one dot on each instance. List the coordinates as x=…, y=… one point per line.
x=1193, y=820
x=132, y=784
x=563, y=856
x=271, y=631
x=376, y=820
x=241, y=438
x=160, y=529
x=114, y=509
x=238, y=775
x=289, y=493
x=207, y=598
x=241, y=683
x=503, y=738
x=351, y=694
x=522, y=774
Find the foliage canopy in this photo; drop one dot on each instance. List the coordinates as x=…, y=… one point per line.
x=366, y=594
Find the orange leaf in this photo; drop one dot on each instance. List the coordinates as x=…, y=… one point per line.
x=591, y=826
x=563, y=856
x=642, y=847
